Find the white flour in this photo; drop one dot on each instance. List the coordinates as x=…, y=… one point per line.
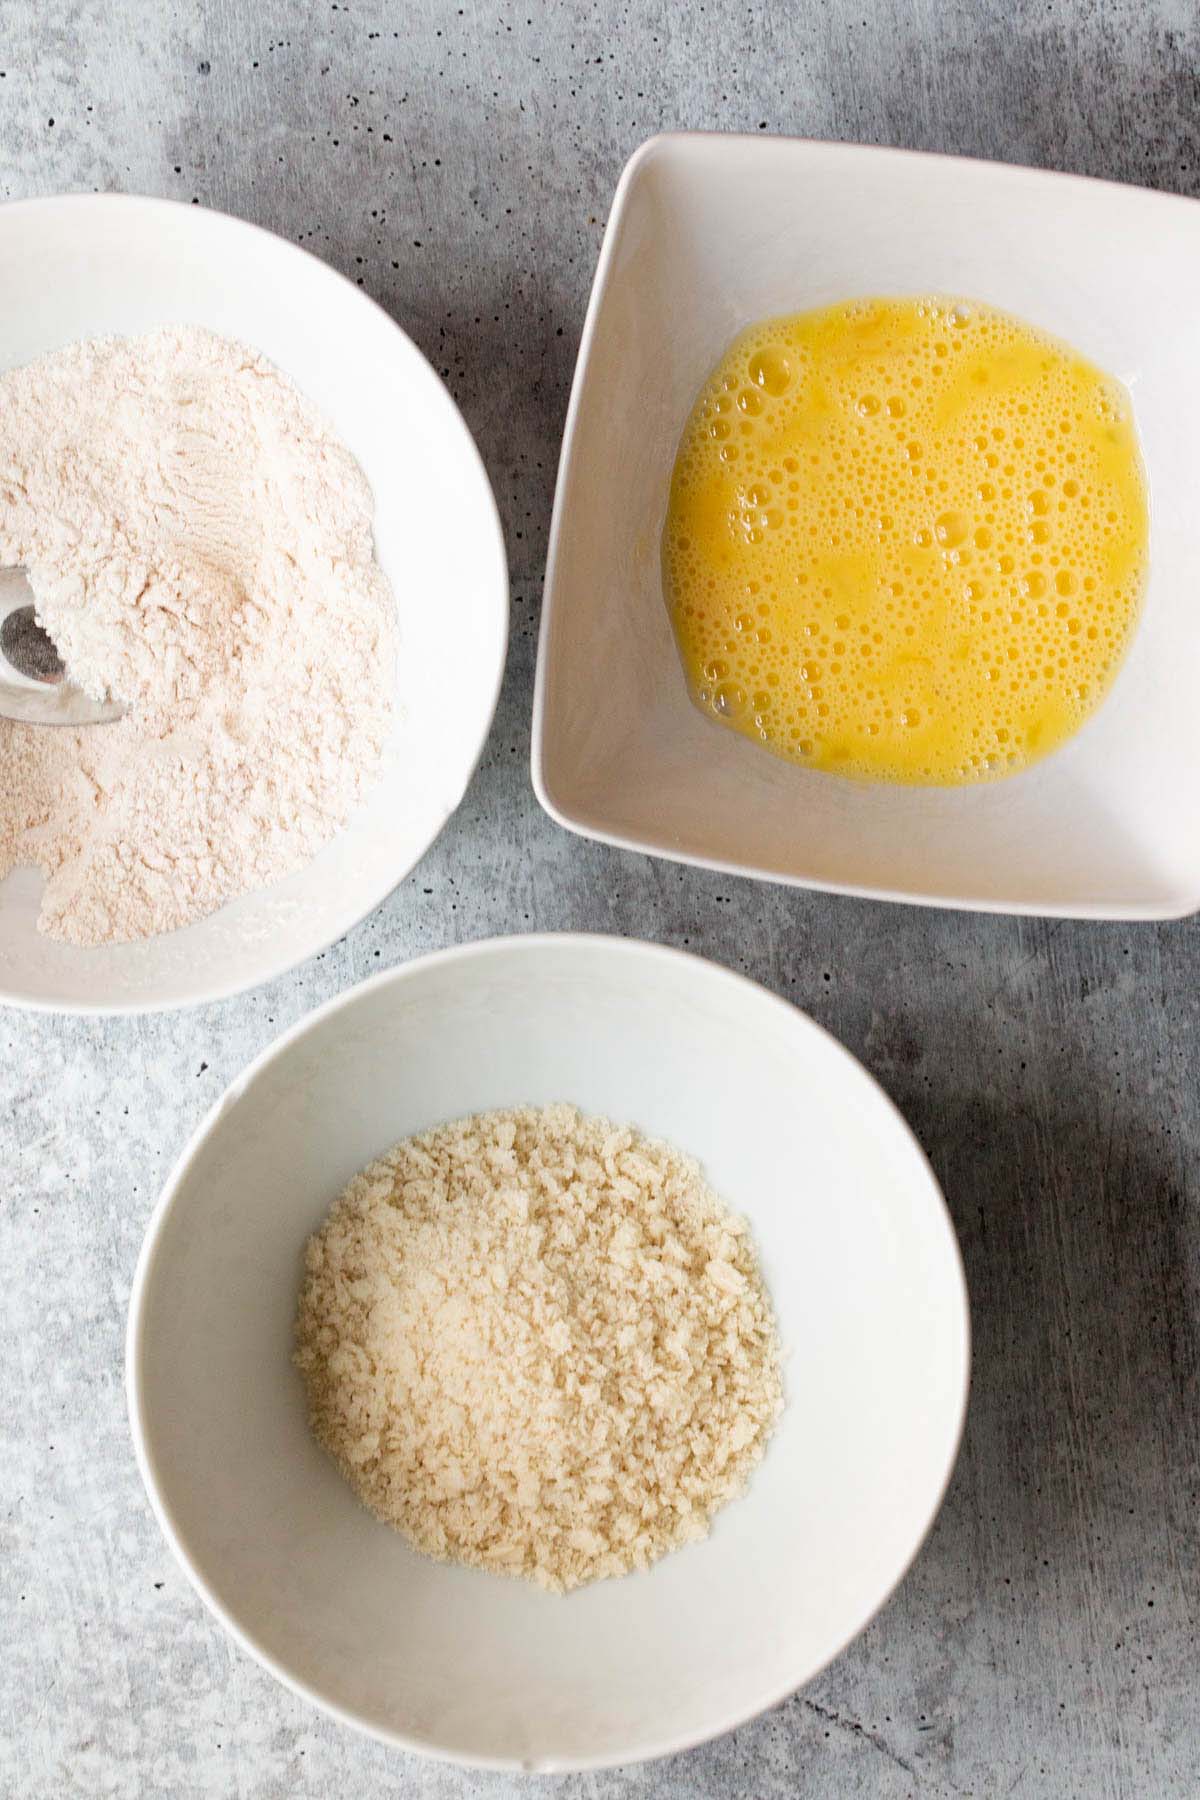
x=200, y=547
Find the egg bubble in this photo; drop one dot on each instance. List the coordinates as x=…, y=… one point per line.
x=951, y=529
x=770, y=370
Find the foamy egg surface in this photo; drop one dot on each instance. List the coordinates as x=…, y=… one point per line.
x=906, y=539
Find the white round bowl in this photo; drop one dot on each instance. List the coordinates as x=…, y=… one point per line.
x=89, y=265
x=857, y=1248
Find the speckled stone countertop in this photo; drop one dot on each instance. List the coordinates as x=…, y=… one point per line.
x=458, y=163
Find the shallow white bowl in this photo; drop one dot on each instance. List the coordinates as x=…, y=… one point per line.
x=708, y=234
x=862, y=1264
x=87, y=265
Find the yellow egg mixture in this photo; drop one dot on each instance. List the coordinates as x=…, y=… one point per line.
x=906, y=539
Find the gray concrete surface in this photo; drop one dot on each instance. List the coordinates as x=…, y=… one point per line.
x=458, y=162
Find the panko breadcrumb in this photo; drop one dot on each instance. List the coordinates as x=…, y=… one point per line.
x=537, y=1342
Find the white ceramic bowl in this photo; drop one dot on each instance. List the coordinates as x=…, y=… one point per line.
x=708, y=234
x=87, y=265
x=861, y=1260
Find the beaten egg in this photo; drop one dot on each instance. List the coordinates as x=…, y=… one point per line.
x=906, y=539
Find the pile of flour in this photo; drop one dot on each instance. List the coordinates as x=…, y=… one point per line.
x=200, y=548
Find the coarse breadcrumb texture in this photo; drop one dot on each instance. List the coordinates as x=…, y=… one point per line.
x=538, y=1343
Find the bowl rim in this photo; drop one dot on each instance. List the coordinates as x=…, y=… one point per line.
x=531, y=944
x=576, y=818
x=490, y=525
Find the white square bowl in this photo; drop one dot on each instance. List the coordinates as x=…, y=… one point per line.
x=708, y=234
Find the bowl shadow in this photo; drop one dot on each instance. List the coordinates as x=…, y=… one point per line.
x=1072, y=1502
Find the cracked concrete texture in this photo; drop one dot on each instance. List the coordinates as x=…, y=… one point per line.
x=458, y=162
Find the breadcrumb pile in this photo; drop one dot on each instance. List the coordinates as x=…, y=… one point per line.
x=538, y=1343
